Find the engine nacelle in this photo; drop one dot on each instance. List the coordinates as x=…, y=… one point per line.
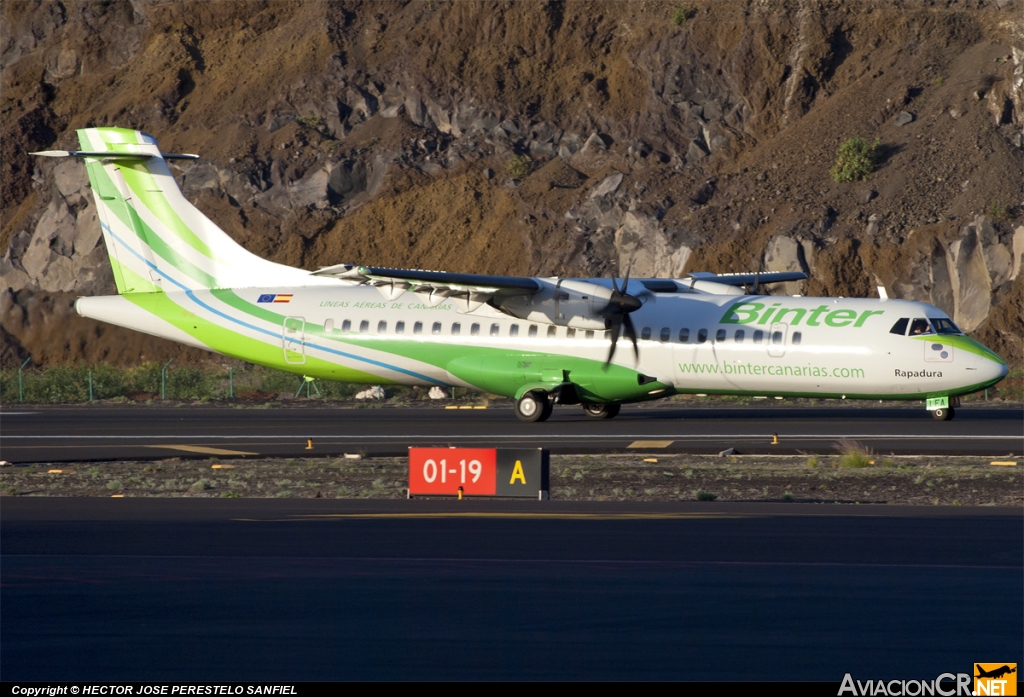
x=566, y=303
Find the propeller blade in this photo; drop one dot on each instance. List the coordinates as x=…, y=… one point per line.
x=631, y=334
x=615, y=327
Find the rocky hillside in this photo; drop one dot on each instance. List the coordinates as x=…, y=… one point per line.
x=575, y=138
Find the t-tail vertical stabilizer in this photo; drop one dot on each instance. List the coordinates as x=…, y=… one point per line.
x=156, y=239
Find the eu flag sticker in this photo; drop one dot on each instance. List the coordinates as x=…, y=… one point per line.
x=266, y=298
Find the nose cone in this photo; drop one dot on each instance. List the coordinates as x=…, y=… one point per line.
x=992, y=367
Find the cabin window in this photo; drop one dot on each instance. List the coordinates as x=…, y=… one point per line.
x=776, y=337
x=608, y=336
x=797, y=338
x=702, y=336
x=920, y=326
x=364, y=326
x=436, y=329
x=645, y=333
x=329, y=325
x=382, y=327
x=684, y=335
x=758, y=336
x=666, y=334
x=532, y=331
x=513, y=330
x=739, y=336
x=474, y=329
x=900, y=327
x=456, y=328
x=944, y=326
x=589, y=334
x=399, y=327
x=720, y=335
x=346, y=326
x=417, y=328
x=551, y=332
x=570, y=333
x=494, y=329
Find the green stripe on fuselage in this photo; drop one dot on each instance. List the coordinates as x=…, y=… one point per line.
x=238, y=345
x=963, y=343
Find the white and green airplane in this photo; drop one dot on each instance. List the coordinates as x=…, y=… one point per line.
x=540, y=341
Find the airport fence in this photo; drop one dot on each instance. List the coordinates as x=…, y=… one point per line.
x=155, y=381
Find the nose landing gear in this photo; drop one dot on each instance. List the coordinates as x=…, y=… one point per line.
x=942, y=407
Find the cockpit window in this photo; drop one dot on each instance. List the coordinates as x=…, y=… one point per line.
x=920, y=326
x=944, y=326
x=900, y=327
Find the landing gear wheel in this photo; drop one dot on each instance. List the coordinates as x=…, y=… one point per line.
x=601, y=411
x=549, y=406
x=943, y=414
x=533, y=406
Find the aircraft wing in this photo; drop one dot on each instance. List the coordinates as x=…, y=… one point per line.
x=748, y=279
x=434, y=286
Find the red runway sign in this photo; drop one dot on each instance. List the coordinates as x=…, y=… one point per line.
x=444, y=470
x=479, y=471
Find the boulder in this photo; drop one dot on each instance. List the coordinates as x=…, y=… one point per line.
x=941, y=295
x=346, y=180
x=785, y=254
x=969, y=277
x=903, y=118
x=607, y=186
x=437, y=393
x=1018, y=251
x=645, y=249
x=376, y=392
x=59, y=275
x=595, y=143
x=87, y=231
x=13, y=279
x=56, y=221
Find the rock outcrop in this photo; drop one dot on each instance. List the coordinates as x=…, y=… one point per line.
x=561, y=138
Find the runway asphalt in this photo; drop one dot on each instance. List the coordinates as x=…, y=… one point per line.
x=274, y=590
x=60, y=434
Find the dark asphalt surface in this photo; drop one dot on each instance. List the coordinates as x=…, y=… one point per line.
x=217, y=590
x=61, y=434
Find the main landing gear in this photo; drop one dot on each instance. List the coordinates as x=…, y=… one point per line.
x=601, y=411
x=534, y=406
x=943, y=414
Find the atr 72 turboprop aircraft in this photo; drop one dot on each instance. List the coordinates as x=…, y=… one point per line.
x=538, y=340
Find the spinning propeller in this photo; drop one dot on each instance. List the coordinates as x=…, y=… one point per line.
x=616, y=316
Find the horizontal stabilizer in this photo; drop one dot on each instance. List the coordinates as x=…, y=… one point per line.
x=748, y=279
x=114, y=155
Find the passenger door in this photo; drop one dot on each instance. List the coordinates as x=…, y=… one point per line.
x=293, y=340
x=777, y=338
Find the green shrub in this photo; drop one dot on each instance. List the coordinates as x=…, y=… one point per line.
x=706, y=495
x=680, y=15
x=311, y=121
x=856, y=159
x=997, y=211
x=519, y=166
